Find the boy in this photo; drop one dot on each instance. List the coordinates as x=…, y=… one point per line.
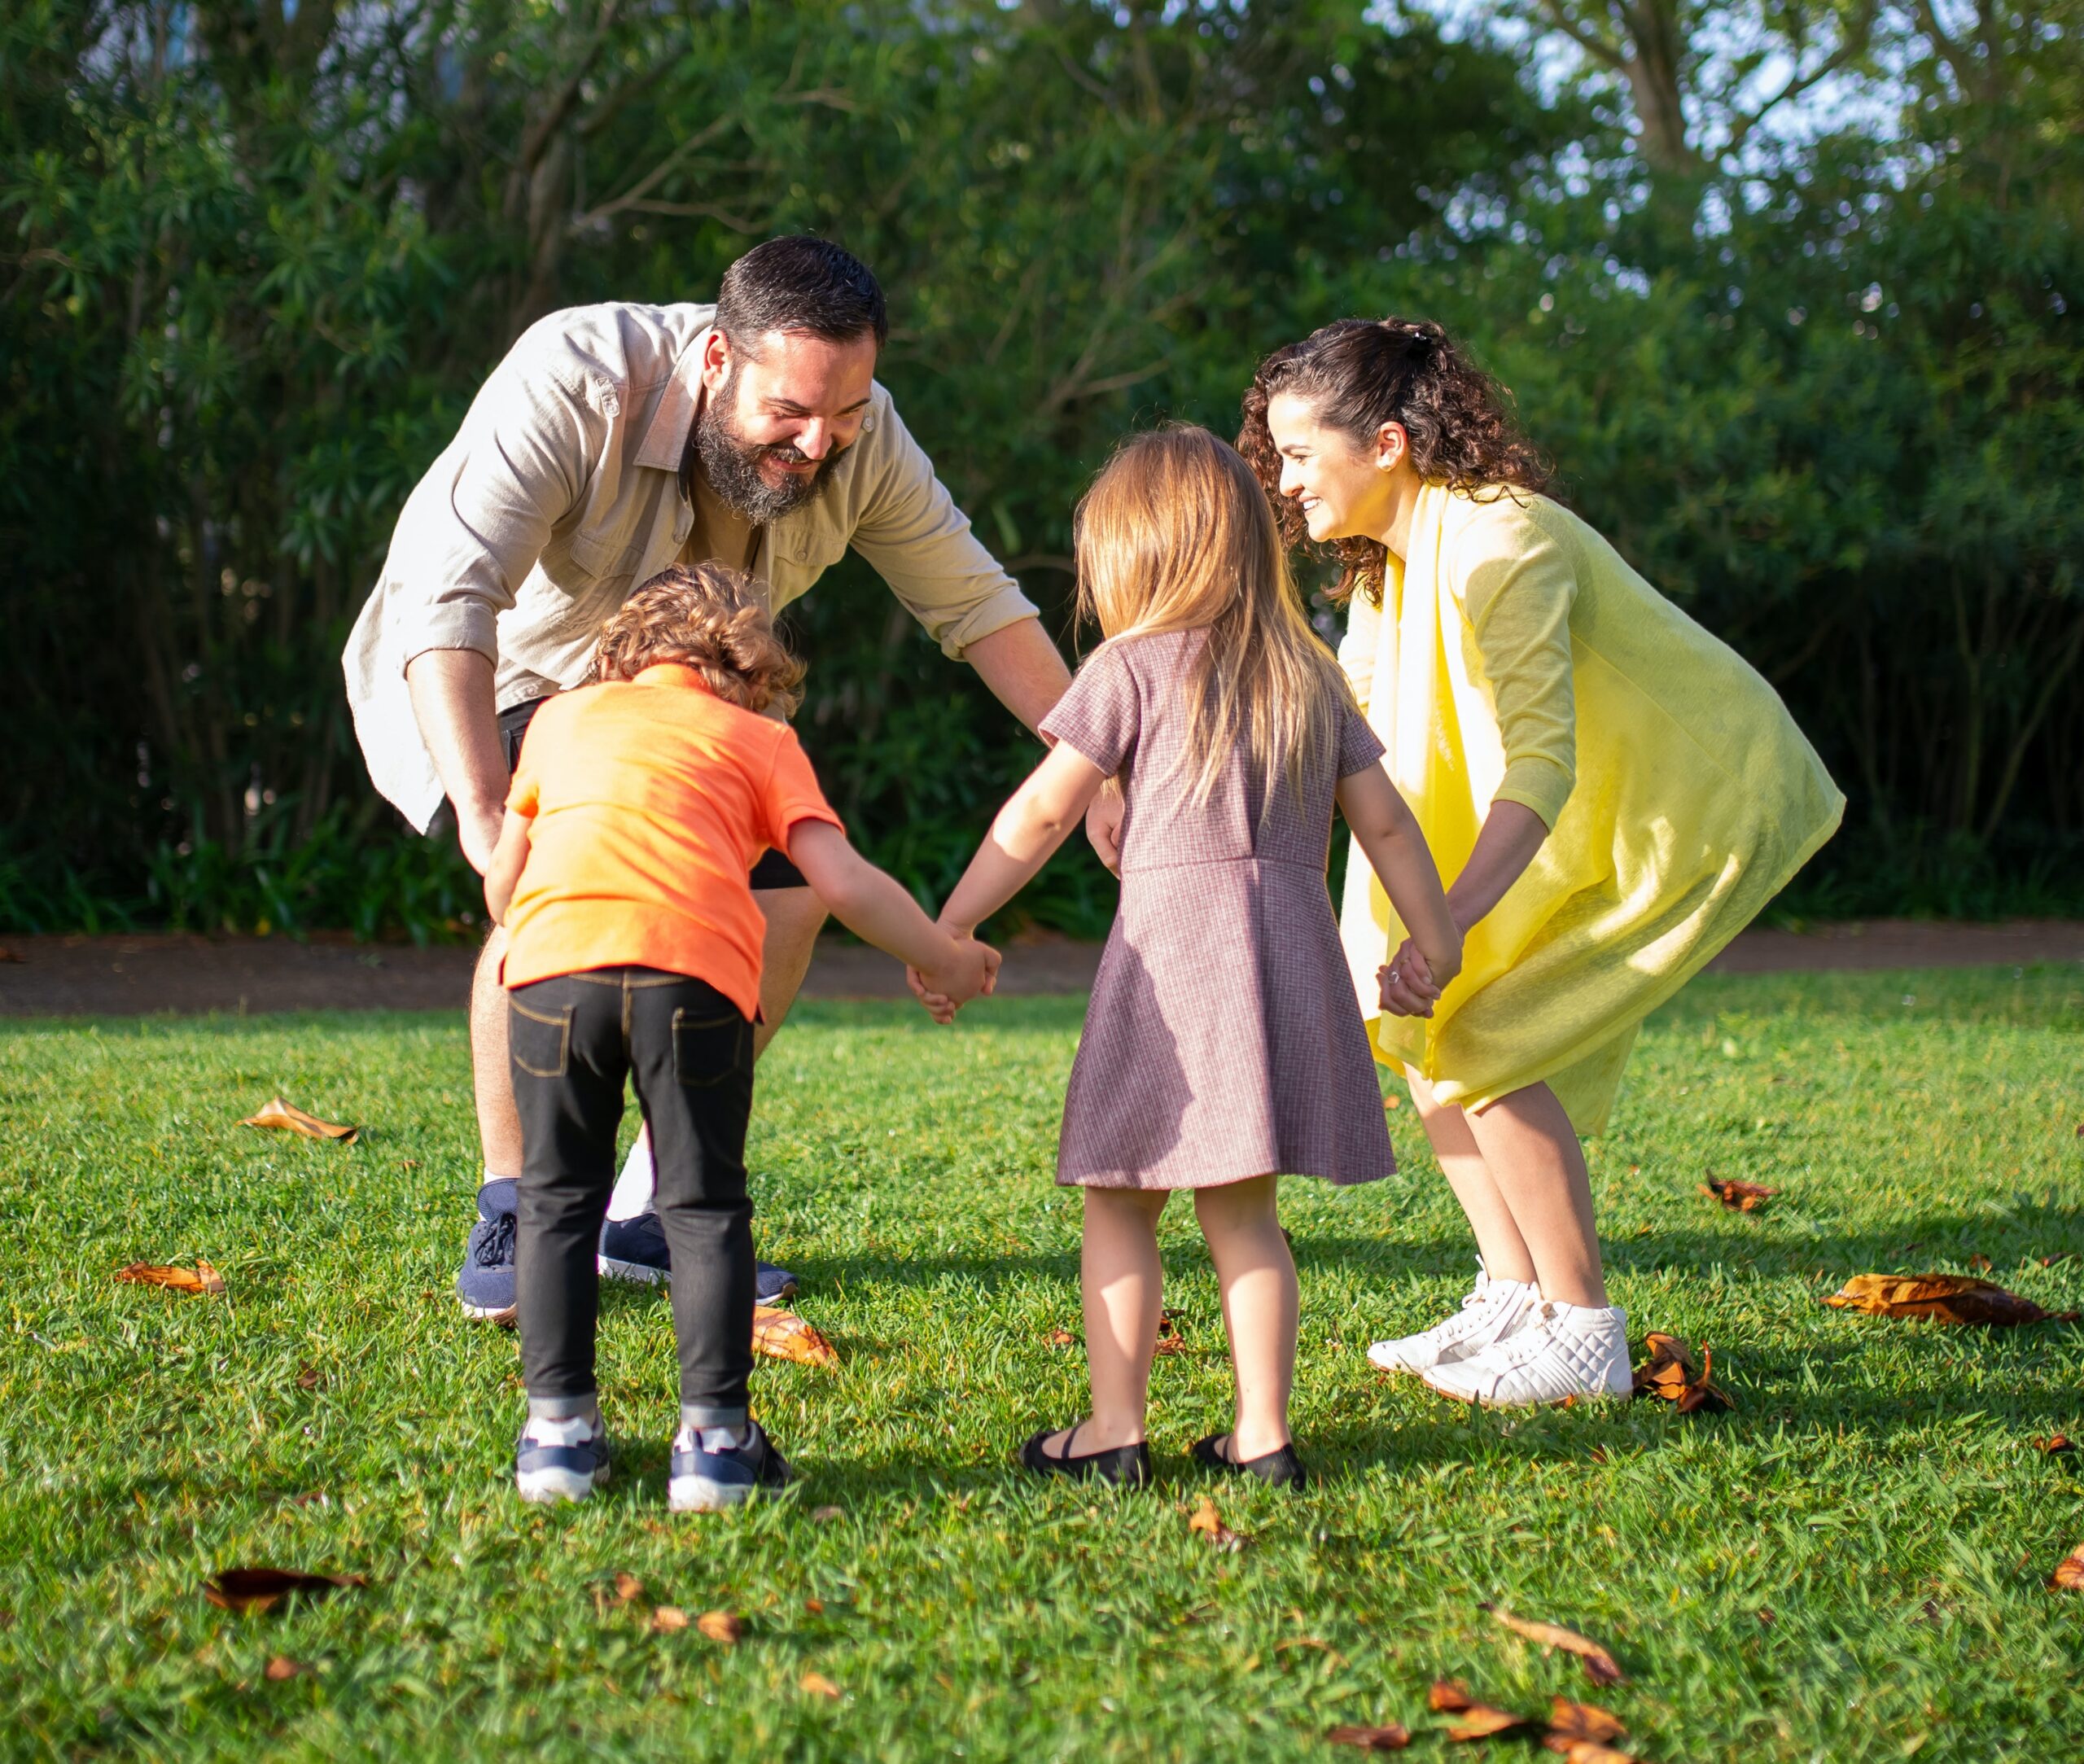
x=638, y=808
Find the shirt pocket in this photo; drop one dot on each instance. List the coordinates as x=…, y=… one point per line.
x=709, y=1050
x=604, y=556
x=539, y=1042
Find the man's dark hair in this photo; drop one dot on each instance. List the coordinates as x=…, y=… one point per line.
x=799, y=284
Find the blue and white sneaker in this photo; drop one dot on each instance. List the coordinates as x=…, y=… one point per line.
x=712, y=1481
x=560, y=1461
x=635, y=1249
x=485, y=1281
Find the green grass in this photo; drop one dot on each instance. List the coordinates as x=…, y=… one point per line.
x=1877, y=1491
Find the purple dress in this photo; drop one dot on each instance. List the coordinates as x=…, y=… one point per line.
x=1223, y=1040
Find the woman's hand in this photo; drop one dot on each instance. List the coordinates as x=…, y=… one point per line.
x=1409, y=986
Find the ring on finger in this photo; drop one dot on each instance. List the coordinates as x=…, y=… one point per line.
x=1394, y=976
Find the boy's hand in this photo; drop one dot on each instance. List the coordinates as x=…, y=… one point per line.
x=972, y=969
x=1407, y=983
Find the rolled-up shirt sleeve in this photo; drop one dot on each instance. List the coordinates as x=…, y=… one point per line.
x=1517, y=584
x=921, y=544
x=478, y=521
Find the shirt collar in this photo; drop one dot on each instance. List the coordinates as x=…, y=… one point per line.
x=670, y=674
x=665, y=442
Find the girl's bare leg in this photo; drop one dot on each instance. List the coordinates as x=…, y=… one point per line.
x=1256, y=1277
x=1506, y=1255
x=1535, y=1161
x=1122, y=1285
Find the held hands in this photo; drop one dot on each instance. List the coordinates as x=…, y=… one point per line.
x=1410, y=983
x=971, y=970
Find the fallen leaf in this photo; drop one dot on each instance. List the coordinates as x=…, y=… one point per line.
x=2061, y=1442
x=1392, y=1102
x=628, y=1588
x=668, y=1620
x=1207, y=1521
x=1582, y=1721
x=1600, y=1663
x=2068, y=1575
x=275, y=1113
x=816, y=1607
x=1943, y=1298
x=201, y=1278
x=262, y=1589
x=1738, y=1197
x=720, y=1626
x=7, y=954
x=1480, y=1721
x=1764, y=1614
x=281, y=1668
x=306, y=1378
x=783, y=1335
x=1669, y=1373
x=1586, y=1751
x=1447, y=1696
x=825, y=1515
x=1981, y=1263
x=1061, y=1337
x=1393, y=1736
x=817, y=1684
x=1170, y=1341
x=2062, y=1255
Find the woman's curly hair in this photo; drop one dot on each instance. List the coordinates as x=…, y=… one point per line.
x=1360, y=373
x=709, y=618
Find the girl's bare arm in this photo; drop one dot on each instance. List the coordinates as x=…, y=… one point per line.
x=1389, y=834
x=1036, y=819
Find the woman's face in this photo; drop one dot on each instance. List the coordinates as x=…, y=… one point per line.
x=1343, y=488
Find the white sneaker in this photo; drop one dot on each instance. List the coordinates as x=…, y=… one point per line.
x=1493, y=1310
x=1563, y=1351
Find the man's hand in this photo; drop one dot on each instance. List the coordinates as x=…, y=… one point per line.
x=1103, y=824
x=477, y=831
x=452, y=701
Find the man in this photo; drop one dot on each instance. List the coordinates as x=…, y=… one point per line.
x=612, y=441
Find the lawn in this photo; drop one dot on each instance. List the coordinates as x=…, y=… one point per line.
x=1851, y=1566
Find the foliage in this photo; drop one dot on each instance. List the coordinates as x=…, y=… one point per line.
x=1850, y=1566
x=253, y=266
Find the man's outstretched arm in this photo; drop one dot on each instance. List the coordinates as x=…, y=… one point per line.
x=1022, y=666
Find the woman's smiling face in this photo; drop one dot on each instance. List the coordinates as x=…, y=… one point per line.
x=1343, y=490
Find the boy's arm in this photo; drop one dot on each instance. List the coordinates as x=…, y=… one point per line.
x=503, y=871
x=875, y=907
x=1389, y=833
x=1025, y=833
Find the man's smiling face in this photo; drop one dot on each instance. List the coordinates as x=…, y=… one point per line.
x=777, y=417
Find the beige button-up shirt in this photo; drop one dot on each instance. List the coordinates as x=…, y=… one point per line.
x=561, y=494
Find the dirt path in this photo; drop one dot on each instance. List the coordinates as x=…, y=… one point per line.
x=133, y=976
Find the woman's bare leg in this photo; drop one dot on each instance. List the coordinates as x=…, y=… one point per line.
x=1535, y=1163
x=1256, y=1276
x=1499, y=1241
x=1121, y=1284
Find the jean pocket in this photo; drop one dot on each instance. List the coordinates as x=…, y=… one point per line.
x=708, y=1050
x=542, y=1044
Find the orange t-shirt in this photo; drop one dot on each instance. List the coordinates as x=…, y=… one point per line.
x=652, y=798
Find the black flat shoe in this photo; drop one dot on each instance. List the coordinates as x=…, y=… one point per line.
x=1278, y=1469
x=1124, y=1466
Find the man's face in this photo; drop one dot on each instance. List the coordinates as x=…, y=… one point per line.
x=774, y=421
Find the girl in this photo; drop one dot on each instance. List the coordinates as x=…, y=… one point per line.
x=1223, y=1044
x=1616, y=793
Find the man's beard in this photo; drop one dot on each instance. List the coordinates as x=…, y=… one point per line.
x=732, y=466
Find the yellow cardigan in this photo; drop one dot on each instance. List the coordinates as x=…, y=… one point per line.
x=1515, y=656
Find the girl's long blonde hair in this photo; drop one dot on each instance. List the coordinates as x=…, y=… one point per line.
x=1176, y=535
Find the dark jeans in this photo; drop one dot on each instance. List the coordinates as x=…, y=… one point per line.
x=575, y=1038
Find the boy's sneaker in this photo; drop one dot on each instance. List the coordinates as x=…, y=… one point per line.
x=1564, y=1351
x=485, y=1281
x=560, y=1461
x=711, y=1481
x=1493, y=1310
x=635, y=1249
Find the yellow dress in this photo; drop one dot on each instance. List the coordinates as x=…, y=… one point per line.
x=1515, y=656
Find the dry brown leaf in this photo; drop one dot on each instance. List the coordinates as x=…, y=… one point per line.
x=2068, y=1575
x=275, y=1113
x=2061, y=1442
x=1586, y=1751
x=1738, y=1197
x=1582, y=1721
x=1669, y=1373
x=1392, y=1102
x=201, y=1278
x=1944, y=1297
x=1981, y=1264
x=824, y=1516
x=1392, y=1736
x=262, y=1589
x=1600, y=1664
x=7, y=954
x=1207, y=1521
x=816, y=1607
x=817, y=1684
x=1447, y=1696
x=668, y=1620
x=1061, y=1337
x=628, y=1588
x=281, y=1669
x=1480, y=1721
x=720, y=1626
x=306, y=1378
x=783, y=1335
x=2062, y=1255
x=1170, y=1341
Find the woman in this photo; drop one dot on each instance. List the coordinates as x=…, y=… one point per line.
x=1615, y=792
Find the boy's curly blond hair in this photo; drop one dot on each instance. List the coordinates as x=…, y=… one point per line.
x=711, y=619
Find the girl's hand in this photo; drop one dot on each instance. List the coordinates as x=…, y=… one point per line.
x=972, y=971
x=1409, y=985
